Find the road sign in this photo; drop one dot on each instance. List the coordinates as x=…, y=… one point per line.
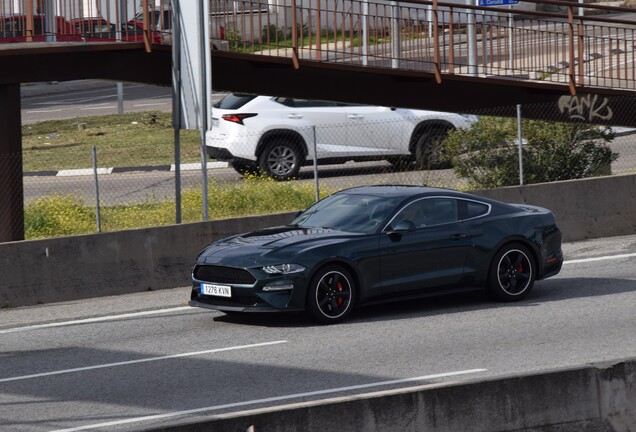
x=497, y=2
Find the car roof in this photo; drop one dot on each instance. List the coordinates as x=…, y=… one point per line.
x=401, y=190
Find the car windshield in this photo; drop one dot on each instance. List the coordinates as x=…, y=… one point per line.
x=348, y=212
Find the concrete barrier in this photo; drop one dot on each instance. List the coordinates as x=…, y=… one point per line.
x=585, y=209
x=69, y=268
x=85, y=266
x=600, y=398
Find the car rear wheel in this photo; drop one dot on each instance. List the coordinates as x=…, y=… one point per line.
x=512, y=273
x=331, y=295
x=429, y=152
x=280, y=160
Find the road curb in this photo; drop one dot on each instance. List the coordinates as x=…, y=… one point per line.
x=120, y=170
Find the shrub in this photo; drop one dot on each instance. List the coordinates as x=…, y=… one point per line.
x=487, y=154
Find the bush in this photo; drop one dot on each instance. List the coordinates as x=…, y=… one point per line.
x=488, y=156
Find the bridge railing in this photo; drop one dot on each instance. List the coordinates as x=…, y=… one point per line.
x=580, y=45
x=542, y=40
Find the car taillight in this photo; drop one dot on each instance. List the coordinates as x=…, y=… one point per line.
x=237, y=118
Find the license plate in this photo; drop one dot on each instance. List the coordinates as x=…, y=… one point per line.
x=216, y=290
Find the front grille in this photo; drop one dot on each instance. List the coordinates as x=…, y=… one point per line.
x=225, y=275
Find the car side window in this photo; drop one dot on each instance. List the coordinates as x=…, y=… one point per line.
x=475, y=209
x=429, y=211
x=305, y=103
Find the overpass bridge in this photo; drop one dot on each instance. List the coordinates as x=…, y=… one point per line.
x=561, y=60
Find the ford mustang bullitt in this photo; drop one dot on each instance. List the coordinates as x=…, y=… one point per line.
x=378, y=243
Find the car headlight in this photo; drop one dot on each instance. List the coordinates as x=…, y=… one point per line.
x=283, y=269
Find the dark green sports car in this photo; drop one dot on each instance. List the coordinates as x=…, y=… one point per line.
x=375, y=243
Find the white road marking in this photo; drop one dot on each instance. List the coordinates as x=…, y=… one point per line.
x=144, y=360
x=98, y=319
x=98, y=107
x=43, y=111
x=268, y=400
x=601, y=258
x=150, y=104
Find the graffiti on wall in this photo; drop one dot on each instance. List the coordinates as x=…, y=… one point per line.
x=589, y=108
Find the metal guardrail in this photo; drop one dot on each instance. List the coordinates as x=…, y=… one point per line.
x=581, y=45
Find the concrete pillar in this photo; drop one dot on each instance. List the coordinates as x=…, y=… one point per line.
x=11, y=188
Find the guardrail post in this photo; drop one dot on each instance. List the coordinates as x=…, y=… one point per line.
x=436, y=55
x=451, y=47
x=146, y=26
x=581, y=31
x=572, y=75
x=395, y=35
x=294, y=33
x=29, y=21
x=318, y=32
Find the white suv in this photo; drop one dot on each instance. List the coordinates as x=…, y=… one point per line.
x=277, y=135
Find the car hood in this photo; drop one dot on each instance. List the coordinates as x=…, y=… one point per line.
x=270, y=246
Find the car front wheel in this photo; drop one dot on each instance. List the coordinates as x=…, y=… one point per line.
x=429, y=152
x=331, y=294
x=280, y=160
x=512, y=273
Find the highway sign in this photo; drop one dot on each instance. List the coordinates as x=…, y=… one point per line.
x=497, y=2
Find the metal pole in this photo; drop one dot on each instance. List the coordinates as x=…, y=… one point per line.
x=97, y=206
x=316, y=180
x=176, y=107
x=120, y=98
x=472, y=43
x=395, y=35
x=511, y=24
x=520, y=139
x=365, y=32
x=203, y=113
x=121, y=19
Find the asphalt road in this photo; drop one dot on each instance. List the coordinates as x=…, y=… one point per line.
x=132, y=361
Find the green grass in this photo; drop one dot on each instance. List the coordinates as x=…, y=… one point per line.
x=135, y=139
x=58, y=215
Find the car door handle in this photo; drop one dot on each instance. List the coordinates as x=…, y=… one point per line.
x=458, y=236
x=294, y=116
x=355, y=116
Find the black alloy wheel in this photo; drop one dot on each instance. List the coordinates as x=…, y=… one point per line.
x=512, y=273
x=331, y=295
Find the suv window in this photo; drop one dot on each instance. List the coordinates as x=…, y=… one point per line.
x=309, y=103
x=233, y=101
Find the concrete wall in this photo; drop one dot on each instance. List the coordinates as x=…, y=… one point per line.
x=585, y=209
x=598, y=398
x=76, y=267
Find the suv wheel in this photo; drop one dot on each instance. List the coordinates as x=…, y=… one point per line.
x=429, y=150
x=280, y=160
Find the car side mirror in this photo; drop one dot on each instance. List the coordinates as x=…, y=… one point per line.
x=402, y=226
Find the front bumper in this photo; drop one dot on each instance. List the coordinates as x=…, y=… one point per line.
x=227, y=308
x=246, y=299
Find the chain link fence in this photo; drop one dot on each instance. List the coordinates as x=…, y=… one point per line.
x=350, y=152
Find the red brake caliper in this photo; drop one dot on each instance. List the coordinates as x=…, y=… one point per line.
x=339, y=301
